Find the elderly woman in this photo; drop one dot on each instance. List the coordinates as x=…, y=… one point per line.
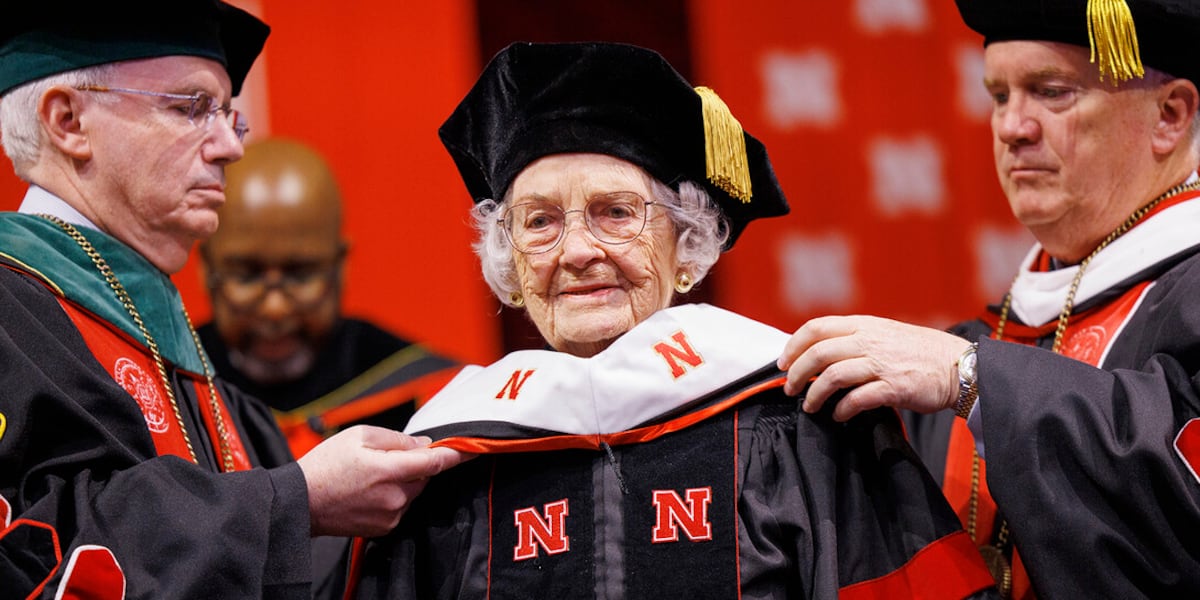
x=651, y=453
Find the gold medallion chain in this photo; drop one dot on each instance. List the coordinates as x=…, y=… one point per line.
x=994, y=553
x=126, y=301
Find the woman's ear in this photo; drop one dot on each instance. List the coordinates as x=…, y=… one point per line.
x=58, y=112
x=1177, y=105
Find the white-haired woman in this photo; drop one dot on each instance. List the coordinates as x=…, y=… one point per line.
x=651, y=453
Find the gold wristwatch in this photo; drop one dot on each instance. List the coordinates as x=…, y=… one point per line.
x=968, y=386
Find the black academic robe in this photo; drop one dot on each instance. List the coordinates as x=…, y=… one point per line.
x=92, y=498
x=671, y=465
x=1093, y=455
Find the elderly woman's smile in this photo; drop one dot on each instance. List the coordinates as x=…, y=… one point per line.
x=593, y=284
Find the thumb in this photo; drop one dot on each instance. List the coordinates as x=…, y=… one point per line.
x=382, y=438
x=425, y=462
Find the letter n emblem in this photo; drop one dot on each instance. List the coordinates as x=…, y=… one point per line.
x=681, y=351
x=513, y=386
x=549, y=530
x=672, y=513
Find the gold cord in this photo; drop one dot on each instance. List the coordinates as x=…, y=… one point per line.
x=126, y=301
x=994, y=553
x=222, y=430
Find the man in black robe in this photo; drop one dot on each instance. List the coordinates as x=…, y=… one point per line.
x=1081, y=389
x=126, y=468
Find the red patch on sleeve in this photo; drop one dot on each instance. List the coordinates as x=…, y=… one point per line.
x=92, y=574
x=1187, y=446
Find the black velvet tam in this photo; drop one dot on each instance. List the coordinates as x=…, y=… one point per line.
x=534, y=100
x=43, y=38
x=1167, y=30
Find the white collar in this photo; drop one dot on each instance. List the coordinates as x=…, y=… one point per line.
x=628, y=384
x=40, y=201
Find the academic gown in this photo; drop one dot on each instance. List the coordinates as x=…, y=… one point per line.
x=1095, y=469
x=670, y=465
x=98, y=494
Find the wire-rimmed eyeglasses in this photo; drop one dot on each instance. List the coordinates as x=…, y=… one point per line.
x=202, y=108
x=305, y=284
x=535, y=227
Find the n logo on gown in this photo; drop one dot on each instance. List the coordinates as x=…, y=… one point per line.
x=548, y=530
x=671, y=514
x=680, y=351
x=513, y=386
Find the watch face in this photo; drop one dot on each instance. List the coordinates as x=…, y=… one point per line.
x=969, y=364
x=966, y=365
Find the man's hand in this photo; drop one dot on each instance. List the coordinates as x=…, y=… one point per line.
x=878, y=361
x=361, y=480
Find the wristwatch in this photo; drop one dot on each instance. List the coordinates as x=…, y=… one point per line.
x=968, y=386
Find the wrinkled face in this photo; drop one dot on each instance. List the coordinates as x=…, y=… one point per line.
x=156, y=179
x=274, y=273
x=585, y=293
x=1067, y=146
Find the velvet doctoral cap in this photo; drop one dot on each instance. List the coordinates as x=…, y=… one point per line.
x=1162, y=34
x=534, y=100
x=43, y=38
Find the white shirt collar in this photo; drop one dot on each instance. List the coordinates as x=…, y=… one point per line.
x=40, y=201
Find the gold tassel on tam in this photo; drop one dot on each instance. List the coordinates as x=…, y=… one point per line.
x=1114, y=40
x=726, y=164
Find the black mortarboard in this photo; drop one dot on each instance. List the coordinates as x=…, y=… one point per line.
x=533, y=100
x=39, y=39
x=1163, y=32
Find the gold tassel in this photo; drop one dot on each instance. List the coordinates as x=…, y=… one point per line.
x=1113, y=37
x=725, y=159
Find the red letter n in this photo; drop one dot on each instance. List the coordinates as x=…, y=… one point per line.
x=674, y=354
x=550, y=532
x=513, y=387
x=671, y=514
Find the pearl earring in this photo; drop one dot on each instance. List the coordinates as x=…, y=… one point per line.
x=683, y=282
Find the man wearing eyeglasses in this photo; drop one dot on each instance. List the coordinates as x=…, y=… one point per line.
x=274, y=274
x=126, y=468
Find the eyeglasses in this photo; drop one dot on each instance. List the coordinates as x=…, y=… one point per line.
x=305, y=285
x=537, y=227
x=202, y=109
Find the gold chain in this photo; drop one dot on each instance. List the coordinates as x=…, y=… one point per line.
x=1004, y=578
x=123, y=297
x=222, y=430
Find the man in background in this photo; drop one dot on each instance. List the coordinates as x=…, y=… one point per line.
x=275, y=272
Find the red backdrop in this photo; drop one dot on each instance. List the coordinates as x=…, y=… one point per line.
x=876, y=120
x=872, y=111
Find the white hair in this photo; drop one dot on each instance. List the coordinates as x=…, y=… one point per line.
x=700, y=233
x=20, y=131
